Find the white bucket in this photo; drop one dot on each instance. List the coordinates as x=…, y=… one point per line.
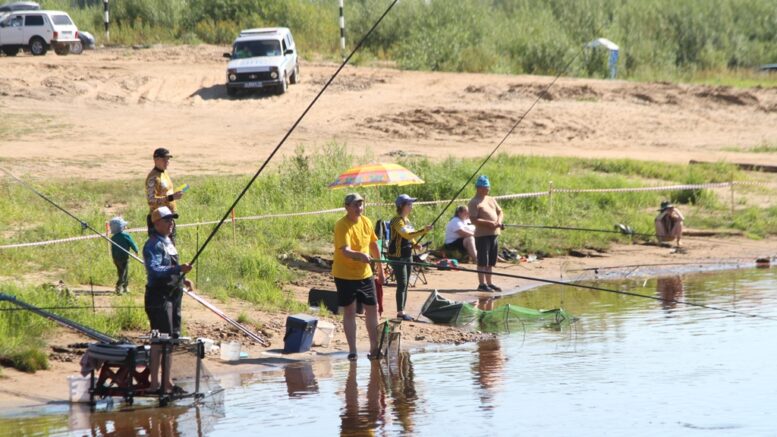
x=79, y=387
x=325, y=331
x=207, y=344
x=230, y=351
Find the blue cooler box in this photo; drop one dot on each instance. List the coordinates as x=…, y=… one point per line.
x=299, y=333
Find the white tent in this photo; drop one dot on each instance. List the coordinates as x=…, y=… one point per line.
x=614, y=50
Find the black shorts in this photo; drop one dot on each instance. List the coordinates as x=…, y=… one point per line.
x=457, y=245
x=162, y=309
x=360, y=290
x=487, y=248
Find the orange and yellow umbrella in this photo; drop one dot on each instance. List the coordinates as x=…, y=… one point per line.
x=376, y=175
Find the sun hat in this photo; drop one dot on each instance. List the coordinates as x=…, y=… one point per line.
x=352, y=197
x=162, y=153
x=404, y=199
x=666, y=205
x=483, y=182
x=117, y=224
x=162, y=212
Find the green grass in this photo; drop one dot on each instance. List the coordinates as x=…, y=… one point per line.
x=718, y=42
x=251, y=264
x=761, y=148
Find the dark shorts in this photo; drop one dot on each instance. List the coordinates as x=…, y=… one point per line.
x=163, y=317
x=361, y=290
x=457, y=245
x=487, y=248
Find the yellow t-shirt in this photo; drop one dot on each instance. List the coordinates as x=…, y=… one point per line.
x=358, y=236
x=158, y=187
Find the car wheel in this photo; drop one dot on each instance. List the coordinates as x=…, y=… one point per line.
x=231, y=92
x=38, y=46
x=11, y=51
x=77, y=48
x=284, y=86
x=295, y=76
x=62, y=49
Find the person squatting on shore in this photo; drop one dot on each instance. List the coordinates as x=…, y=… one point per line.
x=403, y=241
x=356, y=246
x=669, y=223
x=164, y=287
x=487, y=217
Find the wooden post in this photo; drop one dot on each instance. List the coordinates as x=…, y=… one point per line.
x=234, y=234
x=550, y=198
x=732, y=198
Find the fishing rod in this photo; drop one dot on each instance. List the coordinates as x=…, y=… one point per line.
x=540, y=96
x=588, y=287
x=289, y=132
x=619, y=229
x=89, y=332
x=84, y=225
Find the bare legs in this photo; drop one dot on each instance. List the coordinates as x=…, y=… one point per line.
x=484, y=275
x=156, y=360
x=371, y=322
x=469, y=244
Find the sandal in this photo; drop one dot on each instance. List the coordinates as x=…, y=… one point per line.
x=351, y=357
x=375, y=356
x=406, y=318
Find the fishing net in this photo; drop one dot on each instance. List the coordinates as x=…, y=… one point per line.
x=192, y=375
x=503, y=318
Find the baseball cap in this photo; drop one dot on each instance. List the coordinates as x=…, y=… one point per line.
x=162, y=153
x=352, y=197
x=161, y=213
x=404, y=199
x=483, y=182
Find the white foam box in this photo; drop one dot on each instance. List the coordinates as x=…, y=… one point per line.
x=325, y=331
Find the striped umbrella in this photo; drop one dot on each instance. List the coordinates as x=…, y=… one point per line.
x=376, y=175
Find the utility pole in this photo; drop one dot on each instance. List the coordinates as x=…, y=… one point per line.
x=342, y=28
x=106, y=20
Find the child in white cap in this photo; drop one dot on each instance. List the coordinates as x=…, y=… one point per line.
x=121, y=257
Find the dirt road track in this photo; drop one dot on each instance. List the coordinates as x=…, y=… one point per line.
x=100, y=114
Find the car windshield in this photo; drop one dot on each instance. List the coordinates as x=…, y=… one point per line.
x=251, y=49
x=62, y=20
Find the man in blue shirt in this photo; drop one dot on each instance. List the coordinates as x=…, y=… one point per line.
x=164, y=288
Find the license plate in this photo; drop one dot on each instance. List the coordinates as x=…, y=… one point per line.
x=253, y=85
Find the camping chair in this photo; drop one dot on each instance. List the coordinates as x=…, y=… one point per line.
x=420, y=271
x=383, y=231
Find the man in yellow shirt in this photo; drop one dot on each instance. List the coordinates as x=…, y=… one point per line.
x=355, y=242
x=159, y=187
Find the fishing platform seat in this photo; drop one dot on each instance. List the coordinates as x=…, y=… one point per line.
x=123, y=372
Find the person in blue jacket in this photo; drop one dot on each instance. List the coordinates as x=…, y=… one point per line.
x=164, y=288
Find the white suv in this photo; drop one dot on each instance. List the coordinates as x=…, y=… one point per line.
x=262, y=58
x=36, y=31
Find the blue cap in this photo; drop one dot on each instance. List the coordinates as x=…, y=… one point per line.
x=483, y=182
x=404, y=199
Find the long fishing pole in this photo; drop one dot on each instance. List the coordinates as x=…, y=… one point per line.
x=84, y=224
x=588, y=287
x=250, y=334
x=290, y=131
x=540, y=96
x=620, y=230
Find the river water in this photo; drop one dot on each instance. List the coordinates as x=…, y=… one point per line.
x=629, y=366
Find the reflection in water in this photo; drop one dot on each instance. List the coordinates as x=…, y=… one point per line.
x=487, y=370
x=153, y=422
x=357, y=420
x=395, y=380
x=669, y=288
x=300, y=379
x=402, y=389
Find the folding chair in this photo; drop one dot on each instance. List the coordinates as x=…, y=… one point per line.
x=420, y=271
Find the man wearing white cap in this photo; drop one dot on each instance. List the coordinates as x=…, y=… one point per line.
x=163, y=290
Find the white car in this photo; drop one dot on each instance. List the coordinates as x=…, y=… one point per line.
x=262, y=58
x=36, y=32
